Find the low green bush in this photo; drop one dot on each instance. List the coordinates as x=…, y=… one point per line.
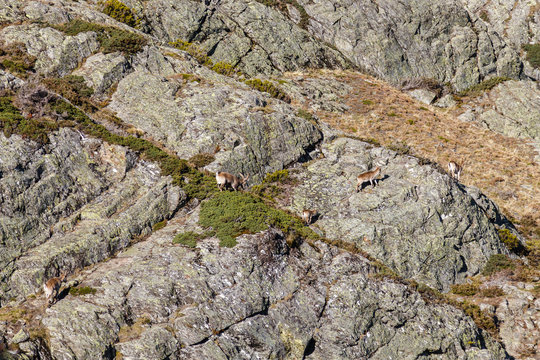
x=120, y=12
x=496, y=263
x=511, y=241
x=465, y=289
x=188, y=238
x=533, y=54
x=232, y=213
x=159, y=225
x=194, y=50
x=484, y=86
x=268, y=87
x=224, y=68
x=202, y=159
x=83, y=290
x=110, y=38
x=16, y=60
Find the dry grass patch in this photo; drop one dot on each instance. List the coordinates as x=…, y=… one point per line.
x=502, y=167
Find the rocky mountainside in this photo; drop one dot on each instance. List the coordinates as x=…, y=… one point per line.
x=116, y=115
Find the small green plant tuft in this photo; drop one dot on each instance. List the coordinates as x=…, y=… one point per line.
x=224, y=68
x=15, y=59
x=511, y=241
x=368, y=102
x=73, y=88
x=159, y=225
x=188, y=238
x=110, y=38
x=231, y=214
x=276, y=176
x=306, y=115
x=194, y=50
x=82, y=290
x=268, y=87
x=496, y=263
x=465, y=289
x=484, y=86
x=201, y=160
x=481, y=320
x=120, y=12
x=491, y=292
x=533, y=54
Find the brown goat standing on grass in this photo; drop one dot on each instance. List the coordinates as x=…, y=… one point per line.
x=224, y=180
x=367, y=176
x=52, y=287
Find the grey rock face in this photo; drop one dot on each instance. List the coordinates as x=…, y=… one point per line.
x=248, y=131
x=416, y=220
x=260, y=299
x=401, y=40
x=101, y=71
x=238, y=32
x=70, y=204
x=57, y=54
x=9, y=82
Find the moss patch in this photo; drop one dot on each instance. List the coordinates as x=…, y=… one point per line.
x=190, y=238
x=268, y=87
x=16, y=60
x=82, y=290
x=120, y=12
x=533, y=54
x=160, y=225
x=194, y=50
x=465, y=289
x=484, y=86
x=110, y=38
x=496, y=263
x=231, y=214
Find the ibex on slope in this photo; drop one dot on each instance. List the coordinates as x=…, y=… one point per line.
x=224, y=180
x=52, y=286
x=455, y=170
x=307, y=215
x=367, y=176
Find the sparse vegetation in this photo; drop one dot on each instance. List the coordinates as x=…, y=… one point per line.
x=511, y=241
x=224, y=68
x=306, y=115
x=201, y=160
x=190, y=238
x=159, y=225
x=533, y=54
x=231, y=214
x=73, y=88
x=16, y=60
x=484, y=86
x=268, y=87
x=194, y=50
x=491, y=292
x=281, y=5
x=111, y=39
x=496, y=263
x=131, y=332
x=465, y=289
x=367, y=102
x=82, y=290
x=120, y=12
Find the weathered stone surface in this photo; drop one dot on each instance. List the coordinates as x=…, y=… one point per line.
x=77, y=202
x=248, y=132
x=57, y=54
x=446, y=101
x=260, y=299
x=397, y=41
x=101, y=71
x=237, y=32
x=423, y=95
x=416, y=220
x=9, y=82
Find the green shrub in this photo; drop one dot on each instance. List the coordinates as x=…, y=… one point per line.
x=120, y=12
x=481, y=320
x=484, y=86
x=492, y=291
x=367, y=102
x=188, y=238
x=194, y=50
x=83, y=290
x=224, y=68
x=12, y=122
x=110, y=38
x=496, y=263
x=511, y=241
x=276, y=176
x=464, y=289
x=73, y=88
x=159, y=225
x=231, y=214
x=268, y=87
x=16, y=60
x=306, y=115
x=202, y=159
x=533, y=54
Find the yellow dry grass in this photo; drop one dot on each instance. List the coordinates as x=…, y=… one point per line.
x=502, y=167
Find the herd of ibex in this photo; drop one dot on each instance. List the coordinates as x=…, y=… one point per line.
x=224, y=181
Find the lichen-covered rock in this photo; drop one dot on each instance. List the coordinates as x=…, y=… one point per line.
x=237, y=32
x=72, y=203
x=416, y=220
x=101, y=71
x=247, y=131
x=57, y=54
x=398, y=41
x=260, y=299
x=9, y=82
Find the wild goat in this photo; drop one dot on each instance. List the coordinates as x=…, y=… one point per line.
x=224, y=180
x=52, y=286
x=307, y=215
x=367, y=176
x=455, y=169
